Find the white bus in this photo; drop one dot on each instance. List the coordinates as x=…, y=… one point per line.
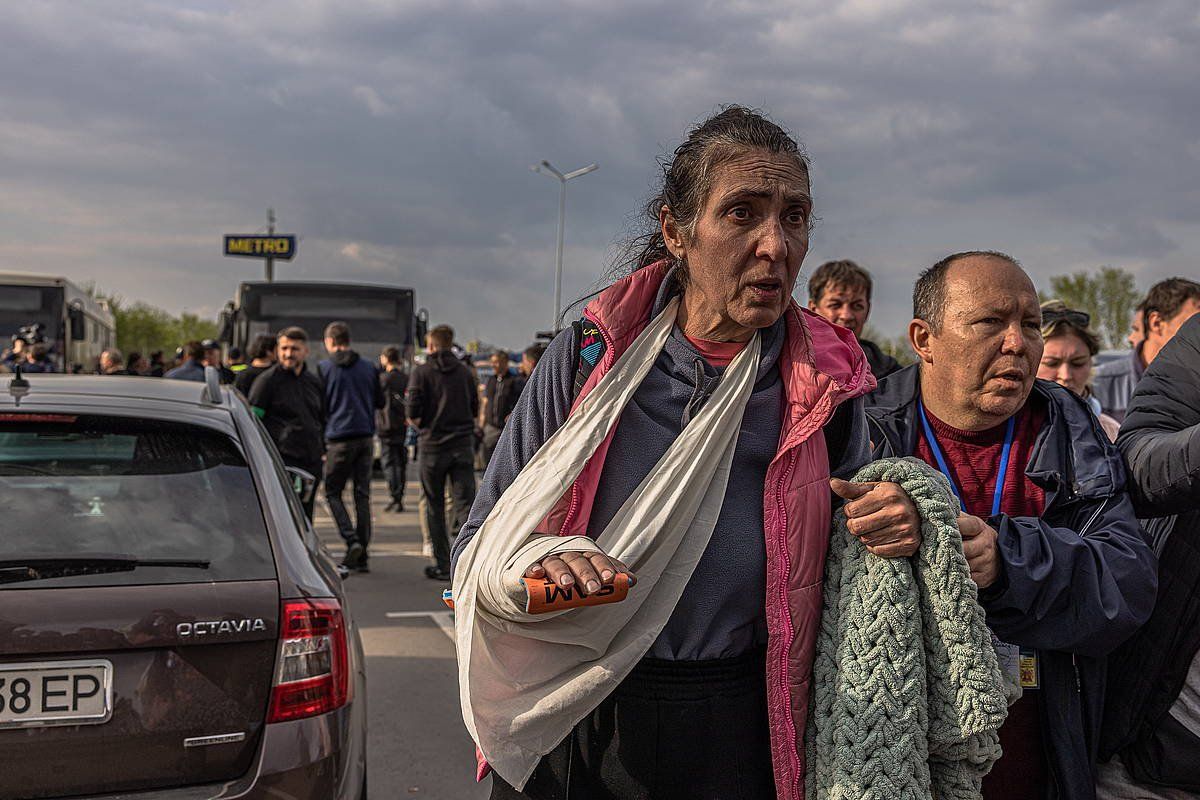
x=77, y=326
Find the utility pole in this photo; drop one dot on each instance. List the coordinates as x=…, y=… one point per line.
x=546, y=168
x=270, y=232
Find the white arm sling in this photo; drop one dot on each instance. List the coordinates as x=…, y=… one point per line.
x=526, y=680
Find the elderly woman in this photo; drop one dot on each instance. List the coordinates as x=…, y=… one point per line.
x=1067, y=359
x=716, y=705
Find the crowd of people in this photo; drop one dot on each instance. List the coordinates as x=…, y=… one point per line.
x=1079, y=492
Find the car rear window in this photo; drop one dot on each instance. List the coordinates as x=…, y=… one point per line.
x=74, y=486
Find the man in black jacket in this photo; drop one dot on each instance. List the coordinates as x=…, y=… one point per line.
x=1152, y=716
x=290, y=400
x=840, y=291
x=1063, y=570
x=391, y=426
x=442, y=403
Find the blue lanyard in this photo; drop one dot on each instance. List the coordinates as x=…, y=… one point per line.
x=945, y=468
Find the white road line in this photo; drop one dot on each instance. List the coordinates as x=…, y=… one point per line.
x=443, y=619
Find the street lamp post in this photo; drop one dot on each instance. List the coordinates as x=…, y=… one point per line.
x=546, y=168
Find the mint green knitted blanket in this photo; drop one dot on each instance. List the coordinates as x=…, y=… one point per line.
x=908, y=696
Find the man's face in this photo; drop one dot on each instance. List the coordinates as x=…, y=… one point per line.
x=291, y=352
x=106, y=361
x=845, y=306
x=212, y=358
x=1160, y=330
x=981, y=364
x=1137, y=334
x=499, y=363
x=527, y=365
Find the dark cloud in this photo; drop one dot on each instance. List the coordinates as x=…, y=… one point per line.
x=395, y=137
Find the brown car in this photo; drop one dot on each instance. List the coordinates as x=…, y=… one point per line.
x=170, y=626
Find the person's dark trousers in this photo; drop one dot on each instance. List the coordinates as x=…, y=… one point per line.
x=686, y=729
x=491, y=438
x=395, y=468
x=350, y=459
x=312, y=468
x=456, y=463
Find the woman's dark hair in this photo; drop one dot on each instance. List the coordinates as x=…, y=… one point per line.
x=687, y=176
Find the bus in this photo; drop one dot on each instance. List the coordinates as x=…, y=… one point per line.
x=378, y=316
x=77, y=326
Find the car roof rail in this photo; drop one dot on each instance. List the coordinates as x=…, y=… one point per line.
x=212, y=387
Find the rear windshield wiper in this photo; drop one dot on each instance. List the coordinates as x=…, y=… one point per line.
x=35, y=568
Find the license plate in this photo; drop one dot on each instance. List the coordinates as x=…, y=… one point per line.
x=55, y=693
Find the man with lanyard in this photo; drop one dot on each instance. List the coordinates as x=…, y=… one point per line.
x=1048, y=530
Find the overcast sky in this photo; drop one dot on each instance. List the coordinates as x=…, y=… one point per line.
x=395, y=138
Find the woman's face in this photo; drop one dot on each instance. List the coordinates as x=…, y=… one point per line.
x=1067, y=362
x=749, y=242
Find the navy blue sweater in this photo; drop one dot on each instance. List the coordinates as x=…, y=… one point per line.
x=352, y=393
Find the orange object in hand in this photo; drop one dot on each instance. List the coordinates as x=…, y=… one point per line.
x=545, y=595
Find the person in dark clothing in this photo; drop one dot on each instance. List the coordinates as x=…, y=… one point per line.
x=500, y=395
x=1168, y=305
x=1048, y=527
x=262, y=356
x=290, y=400
x=157, y=369
x=392, y=427
x=442, y=403
x=212, y=358
x=1152, y=715
x=192, y=368
x=352, y=395
x=840, y=291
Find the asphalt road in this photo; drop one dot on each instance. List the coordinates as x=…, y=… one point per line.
x=418, y=746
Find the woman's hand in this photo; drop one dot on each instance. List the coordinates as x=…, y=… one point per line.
x=881, y=515
x=589, y=571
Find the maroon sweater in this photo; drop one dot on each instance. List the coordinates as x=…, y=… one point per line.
x=974, y=460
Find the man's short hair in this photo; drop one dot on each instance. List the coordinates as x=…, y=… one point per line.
x=391, y=354
x=838, y=273
x=534, y=352
x=502, y=353
x=1168, y=297
x=262, y=346
x=929, y=292
x=338, y=333
x=442, y=336
x=295, y=332
x=114, y=355
x=193, y=350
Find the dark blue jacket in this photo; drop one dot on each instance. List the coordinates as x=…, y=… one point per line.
x=352, y=393
x=1075, y=582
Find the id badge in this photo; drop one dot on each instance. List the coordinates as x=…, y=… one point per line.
x=1031, y=676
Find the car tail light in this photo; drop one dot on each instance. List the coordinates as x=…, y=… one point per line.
x=314, y=666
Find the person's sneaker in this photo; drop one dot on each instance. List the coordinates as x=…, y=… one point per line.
x=362, y=567
x=354, y=555
x=390, y=506
x=398, y=506
x=435, y=574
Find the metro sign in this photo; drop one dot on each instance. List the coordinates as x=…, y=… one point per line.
x=257, y=245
